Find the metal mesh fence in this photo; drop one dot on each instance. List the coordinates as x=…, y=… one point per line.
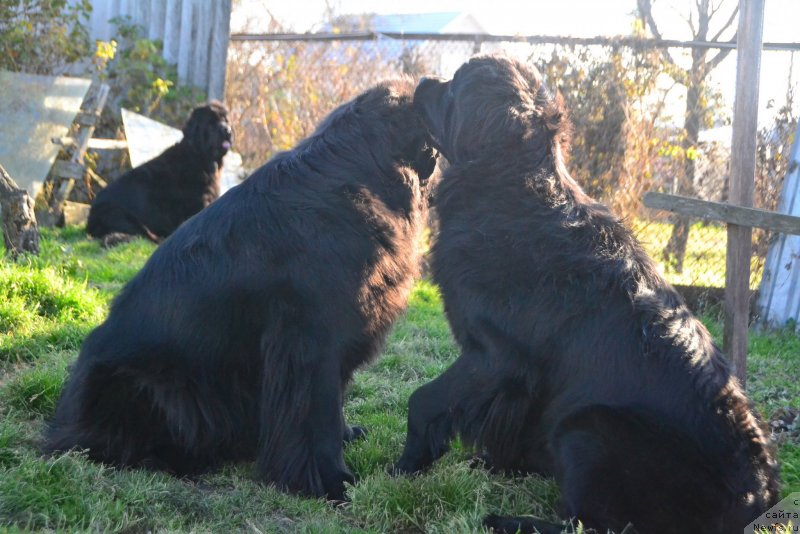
x=627, y=105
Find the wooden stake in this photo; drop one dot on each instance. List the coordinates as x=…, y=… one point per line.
x=742, y=179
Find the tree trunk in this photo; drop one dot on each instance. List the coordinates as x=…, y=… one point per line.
x=674, y=252
x=20, y=230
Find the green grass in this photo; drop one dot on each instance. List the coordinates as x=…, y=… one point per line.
x=47, y=306
x=704, y=263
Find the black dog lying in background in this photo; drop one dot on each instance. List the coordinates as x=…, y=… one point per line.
x=240, y=334
x=153, y=199
x=578, y=359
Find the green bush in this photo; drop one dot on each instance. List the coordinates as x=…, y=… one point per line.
x=143, y=81
x=43, y=36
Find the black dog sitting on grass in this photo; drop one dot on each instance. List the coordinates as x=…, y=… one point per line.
x=153, y=199
x=577, y=358
x=238, y=338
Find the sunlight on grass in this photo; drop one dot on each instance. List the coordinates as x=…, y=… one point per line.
x=704, y=264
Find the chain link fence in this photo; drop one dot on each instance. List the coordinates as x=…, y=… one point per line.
x=627, y=104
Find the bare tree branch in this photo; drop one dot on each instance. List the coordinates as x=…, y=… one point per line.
x=716, y=60
x=645, y=8
x=728, y=24
x=690, y=22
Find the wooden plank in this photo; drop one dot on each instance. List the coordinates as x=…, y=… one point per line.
x=94, y=143
x=68, y=170
x=155, y=30
x=185, y=41
x=727, y=213
x=742, y=182
x=172, y=30
x=75, y=212
x=107, y=144
x=93, y=106
x=220, y=35
x=201, y=42
x=87, y=119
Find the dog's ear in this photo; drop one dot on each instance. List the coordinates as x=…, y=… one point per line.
x=194, y=129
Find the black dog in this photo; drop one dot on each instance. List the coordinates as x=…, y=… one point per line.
x=578, y=359
x=156, y=197
x=238, y=337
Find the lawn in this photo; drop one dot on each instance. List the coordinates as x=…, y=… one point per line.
x=704, y=263
x=47, y=306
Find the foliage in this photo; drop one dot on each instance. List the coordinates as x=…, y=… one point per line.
x=279, y=92
x=619, y=147
x=65, y=292
x=773, y=152
x=141, y=79
x=42, y=36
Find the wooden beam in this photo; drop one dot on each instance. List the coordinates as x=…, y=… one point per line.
x=94, y=143
x=727, y=213
x=742, y=182
x=68, y=170
x=633, y=42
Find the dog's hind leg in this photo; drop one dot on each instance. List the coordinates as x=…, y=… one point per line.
x=622, y=469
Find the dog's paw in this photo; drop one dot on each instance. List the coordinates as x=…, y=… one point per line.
x=354, y=433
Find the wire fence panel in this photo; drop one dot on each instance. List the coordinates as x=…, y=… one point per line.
x=633, y=130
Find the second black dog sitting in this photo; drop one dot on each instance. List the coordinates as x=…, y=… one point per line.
x=577, y=358
x=153, y=199
x=238, y=337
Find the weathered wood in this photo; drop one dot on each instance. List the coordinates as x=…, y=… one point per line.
x=66, y=172
x=742, y=182
x=76, y=212
x=93, y=176
x=185, y=41
x=172, y=31
x=727, y=213
x=220, y=38
x=92, y=107
x=20, y=231
x=87, y=119
x=155, y=27
x=95, y=143
x=201, y=45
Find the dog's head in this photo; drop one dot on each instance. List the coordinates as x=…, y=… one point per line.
x=492, y=105
x=208, y=130
x=395, y=132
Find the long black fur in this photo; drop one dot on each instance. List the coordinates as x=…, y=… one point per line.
x=577, y=358
x=153, y=199
x=237, y=339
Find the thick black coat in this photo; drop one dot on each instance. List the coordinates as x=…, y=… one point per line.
x=238, y=337
x=153, y=199
x=577, y=358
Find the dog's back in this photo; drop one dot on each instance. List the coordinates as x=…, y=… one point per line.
x=578, y=358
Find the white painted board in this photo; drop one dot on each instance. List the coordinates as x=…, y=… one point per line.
x=34, y=109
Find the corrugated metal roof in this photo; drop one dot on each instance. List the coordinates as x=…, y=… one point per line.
x=414, y=22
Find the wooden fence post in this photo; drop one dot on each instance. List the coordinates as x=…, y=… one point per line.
x=742, y=177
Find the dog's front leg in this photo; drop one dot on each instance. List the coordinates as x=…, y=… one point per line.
x=300, y=448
